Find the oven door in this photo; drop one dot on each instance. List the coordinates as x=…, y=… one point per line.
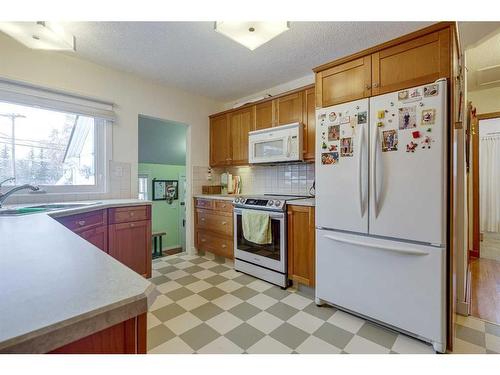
x=271, y=256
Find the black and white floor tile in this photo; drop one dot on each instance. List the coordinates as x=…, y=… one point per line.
x=202, y=305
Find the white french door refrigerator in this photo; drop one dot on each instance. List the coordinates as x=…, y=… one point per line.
x=381, y=209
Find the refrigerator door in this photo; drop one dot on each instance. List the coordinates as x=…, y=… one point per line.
x=342, y=166
x=408, y=164
x=396, y=283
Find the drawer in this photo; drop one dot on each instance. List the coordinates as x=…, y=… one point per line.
x=221, y=222
x=204, y=203
x=225, y=206
x=84, y=221
x=128, y=214
x=218, y=245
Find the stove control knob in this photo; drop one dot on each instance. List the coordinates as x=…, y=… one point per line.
x=237, y=200
x=277, y=203
x=270, y=203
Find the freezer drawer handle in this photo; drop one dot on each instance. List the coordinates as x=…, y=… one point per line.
x=376, y=246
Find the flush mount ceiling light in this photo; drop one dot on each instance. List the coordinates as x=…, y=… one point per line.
x=40, y=35
x=251, y=34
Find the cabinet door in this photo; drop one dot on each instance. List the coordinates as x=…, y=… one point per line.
x=309, y=123
x=220, y=150
x=240, y=122
x=289, y=109
x=97, y=237
x=264, y=115
x=344, y=83
x=130, y=243
x=413, y=63
x=301, y=244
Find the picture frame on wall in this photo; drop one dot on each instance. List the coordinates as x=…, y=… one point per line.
x=160, y=188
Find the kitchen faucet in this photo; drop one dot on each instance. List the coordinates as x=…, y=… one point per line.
x=4, y=196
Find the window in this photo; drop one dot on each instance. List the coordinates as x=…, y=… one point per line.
x=56, y=141
x=143, y=187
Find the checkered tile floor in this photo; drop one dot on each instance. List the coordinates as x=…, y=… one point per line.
x=202, y=305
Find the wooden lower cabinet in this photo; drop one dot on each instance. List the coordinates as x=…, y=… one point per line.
x=213, y=226
x=128, y=337
x=301, y=244
x=97, y=237
x=130, y=243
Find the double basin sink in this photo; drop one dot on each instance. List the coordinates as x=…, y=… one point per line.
x=42, y=208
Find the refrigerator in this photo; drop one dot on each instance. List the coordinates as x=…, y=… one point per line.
x=381, y=188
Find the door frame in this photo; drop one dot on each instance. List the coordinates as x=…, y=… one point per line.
x=475, y=251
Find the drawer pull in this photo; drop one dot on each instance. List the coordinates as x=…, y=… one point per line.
x=224, y=222
x=202, y=219
x=81, y=223
x=131, y=214
x=224, y=246
x=203, y=240
x=223, y=206
x=132, y=225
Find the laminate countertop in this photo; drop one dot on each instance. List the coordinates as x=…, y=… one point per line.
x=224, y=197
x=310, y=202
x=56, y=287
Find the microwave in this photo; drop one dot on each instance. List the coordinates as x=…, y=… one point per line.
x=276, y=145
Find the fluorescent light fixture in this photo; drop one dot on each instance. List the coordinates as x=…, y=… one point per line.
x=251, y=34
x=40, y=35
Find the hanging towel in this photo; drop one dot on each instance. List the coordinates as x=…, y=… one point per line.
x=257, y=227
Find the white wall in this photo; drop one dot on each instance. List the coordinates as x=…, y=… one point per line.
x=485, y=101
x=131, y=94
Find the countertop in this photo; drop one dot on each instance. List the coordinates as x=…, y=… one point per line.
x=311, y=202
x=56, y=287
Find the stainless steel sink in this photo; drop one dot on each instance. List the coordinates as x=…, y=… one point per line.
x=27, y=210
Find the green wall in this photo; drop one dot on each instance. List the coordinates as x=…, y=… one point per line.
x=165, y=216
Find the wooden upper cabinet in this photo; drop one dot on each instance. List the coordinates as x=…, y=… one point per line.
x=220, y=148
x=289, y=109
x=241, y=122
x=344, y=83
x=309, y=124
x=264, y=115
x=413, y=63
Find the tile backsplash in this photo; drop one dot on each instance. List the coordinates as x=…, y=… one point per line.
x=269, y=179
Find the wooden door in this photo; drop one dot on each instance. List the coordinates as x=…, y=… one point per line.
x=344, y=82
x=264, y=115
x=97, y=237
x=289, y=109
x=220, y=147
x=130, y=243
x=309, y=123
x=301, y=244
x=413, y=63
x=241, y=122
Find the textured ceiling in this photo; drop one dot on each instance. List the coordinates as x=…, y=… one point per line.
x=191, y=56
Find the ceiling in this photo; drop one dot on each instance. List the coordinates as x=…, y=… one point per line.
x=483, y=60
x=191, y=56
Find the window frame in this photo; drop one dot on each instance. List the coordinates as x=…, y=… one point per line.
x=146, y=176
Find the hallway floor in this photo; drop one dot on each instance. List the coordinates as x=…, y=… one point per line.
x=485, y=289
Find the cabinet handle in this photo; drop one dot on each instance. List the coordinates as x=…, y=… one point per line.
x=132, y=225
x=223, y=206
x=81, y=223
x=224, y=246
x=131, y=213
x=202, y=219
x=368, y=87
x=203, y=240
x=375, y=84
x=224, y=222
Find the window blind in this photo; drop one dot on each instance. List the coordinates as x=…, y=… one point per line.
x=37, y=96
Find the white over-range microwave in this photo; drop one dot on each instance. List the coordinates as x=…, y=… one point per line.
x=275, y=145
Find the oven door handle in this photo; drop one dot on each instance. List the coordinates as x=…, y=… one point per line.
x=272, y=214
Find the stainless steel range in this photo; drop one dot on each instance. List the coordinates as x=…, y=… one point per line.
x=265, y=261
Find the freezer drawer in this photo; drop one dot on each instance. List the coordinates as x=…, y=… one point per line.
x=396, y=283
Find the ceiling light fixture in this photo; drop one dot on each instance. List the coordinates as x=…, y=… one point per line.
x=40, y=35
x=251, y=34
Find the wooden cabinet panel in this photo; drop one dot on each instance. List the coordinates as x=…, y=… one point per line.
x=204, y=203
x=289, y=109
x=226, y=206
x=130, y=243
x=301, y=244
x=96, y=236
x=84, y=221
x=221, y=222
x=416, y=62
x=264, y=115
x=344, y=82
x=220, y=148
x=219, y=245
x=309, y=124
x=129, y=214
x=241, y=122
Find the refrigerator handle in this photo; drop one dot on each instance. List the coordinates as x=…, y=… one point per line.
x=374, y=171
x=396, y=249
x=360, y=159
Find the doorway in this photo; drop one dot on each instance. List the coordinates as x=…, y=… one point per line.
x=484, y=255
x=162, y=180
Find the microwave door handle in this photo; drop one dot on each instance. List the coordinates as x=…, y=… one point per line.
x=288, y=146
